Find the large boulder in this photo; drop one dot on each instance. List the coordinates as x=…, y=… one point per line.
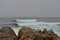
x=27, y=33
x=6, y=33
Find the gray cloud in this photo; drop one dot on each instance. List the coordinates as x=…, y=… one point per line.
x=29, y=8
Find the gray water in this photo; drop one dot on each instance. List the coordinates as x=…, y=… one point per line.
x=11, y=23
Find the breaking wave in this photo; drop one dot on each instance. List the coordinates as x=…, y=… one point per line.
x=32, y=22
x=35, y=24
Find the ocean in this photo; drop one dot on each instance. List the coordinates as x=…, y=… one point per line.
x=39, y=23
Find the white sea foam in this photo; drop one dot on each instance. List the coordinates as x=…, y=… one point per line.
x=34, y=22
x=26, y=20
x=38, y=25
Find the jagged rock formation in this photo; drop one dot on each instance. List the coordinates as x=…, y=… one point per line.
x=27, y=33
x=6, y=33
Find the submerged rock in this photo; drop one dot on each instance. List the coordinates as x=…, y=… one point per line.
x=27, y=33
x=6, y=33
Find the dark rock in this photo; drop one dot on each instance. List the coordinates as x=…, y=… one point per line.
x=6, y=33
x=44, y=31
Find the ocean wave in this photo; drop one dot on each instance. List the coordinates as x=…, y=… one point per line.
x=26, y=20
x=33, y=22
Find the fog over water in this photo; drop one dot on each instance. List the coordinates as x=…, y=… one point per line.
x=29, y=8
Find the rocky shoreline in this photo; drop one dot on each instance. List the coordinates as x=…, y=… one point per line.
x=26, y=33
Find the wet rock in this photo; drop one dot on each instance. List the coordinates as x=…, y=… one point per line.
x=44, y=31
x=6, y=33
x=27, y=33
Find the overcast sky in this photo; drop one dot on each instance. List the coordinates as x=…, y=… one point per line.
x=29, y=8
